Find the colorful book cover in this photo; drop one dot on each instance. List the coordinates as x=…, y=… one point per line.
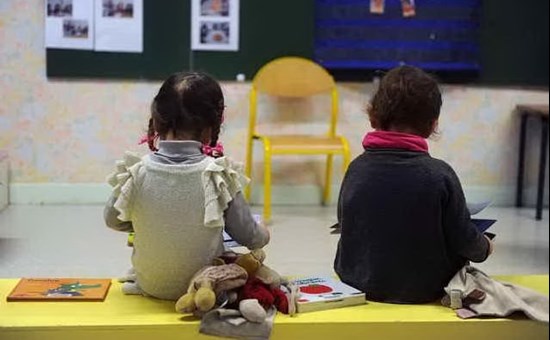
x=321, y=293
x=56, y=289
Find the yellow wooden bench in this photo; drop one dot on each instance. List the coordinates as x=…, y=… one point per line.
x=134, y=317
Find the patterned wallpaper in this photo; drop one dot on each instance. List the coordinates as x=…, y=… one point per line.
x=72, y=131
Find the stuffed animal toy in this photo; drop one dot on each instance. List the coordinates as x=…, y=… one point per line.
x=234, y=277
x=208, y=284
x=263, y=285
x=254, y=266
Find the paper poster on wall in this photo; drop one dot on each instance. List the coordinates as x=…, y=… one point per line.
x=119, y=25
x=408, y=8
x=377, y=6
x=69, y=24
x=215, y=25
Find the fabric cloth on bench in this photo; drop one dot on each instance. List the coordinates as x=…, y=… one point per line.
x=481, y=295
x=231, y=323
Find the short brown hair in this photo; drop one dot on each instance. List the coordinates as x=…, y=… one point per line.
x=408, y=98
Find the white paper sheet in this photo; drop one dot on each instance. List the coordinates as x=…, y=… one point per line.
x=119, y=25
x=476, y=207
x=215, y=25
x=228, y=242
x=69, y=24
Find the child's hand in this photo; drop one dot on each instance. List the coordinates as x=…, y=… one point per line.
x=262, y=225
x=491, y=245
x=267, y=229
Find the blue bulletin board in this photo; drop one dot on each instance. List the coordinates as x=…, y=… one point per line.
x=443, y=35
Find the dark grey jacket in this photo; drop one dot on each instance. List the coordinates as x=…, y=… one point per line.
x=406, y=230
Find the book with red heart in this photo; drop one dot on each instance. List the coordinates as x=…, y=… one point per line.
x=321, y=293
x=57, y=289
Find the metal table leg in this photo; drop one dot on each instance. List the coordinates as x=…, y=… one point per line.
x=542, y=167
x=521, y=161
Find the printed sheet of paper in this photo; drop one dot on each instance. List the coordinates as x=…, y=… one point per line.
x=476, y=207
x=69, y=24
x=119, y=25
x=377, y=6
x=409, y=8
x=215, y=25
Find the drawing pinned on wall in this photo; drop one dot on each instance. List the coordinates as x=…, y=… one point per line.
x=377, y=6
x=215, y=8
x=215, y=33
x=215, y=25
x=59, y=8
x=119, y=25
x=78, y=29
x=117, y=9
x=69, y=24
x=409, y=8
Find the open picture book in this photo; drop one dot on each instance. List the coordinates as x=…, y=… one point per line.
x=481, y=224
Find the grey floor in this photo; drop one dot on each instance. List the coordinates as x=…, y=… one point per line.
x=71, y=241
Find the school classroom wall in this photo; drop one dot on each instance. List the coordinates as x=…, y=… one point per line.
x=63, y=136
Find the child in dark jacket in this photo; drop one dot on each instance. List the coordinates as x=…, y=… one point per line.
x=406, y=229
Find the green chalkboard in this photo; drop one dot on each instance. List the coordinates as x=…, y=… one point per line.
x=269, y=29
x=513, y=40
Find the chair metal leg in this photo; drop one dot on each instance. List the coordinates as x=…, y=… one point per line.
x=248, y=169
x=346, y=155
x=542, y=168
x=267, y=181
x=328, y=179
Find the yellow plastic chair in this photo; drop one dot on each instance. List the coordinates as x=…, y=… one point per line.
x=294, y=77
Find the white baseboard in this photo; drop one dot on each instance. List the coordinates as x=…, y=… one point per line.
x=97, y=193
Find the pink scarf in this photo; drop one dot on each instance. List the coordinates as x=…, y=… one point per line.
x=394, y=140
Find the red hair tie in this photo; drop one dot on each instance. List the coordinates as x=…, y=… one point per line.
x=146, y=140
x=213, y=151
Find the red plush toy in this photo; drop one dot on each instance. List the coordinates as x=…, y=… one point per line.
x=266, y=296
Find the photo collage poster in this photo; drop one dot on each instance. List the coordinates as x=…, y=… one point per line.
x=119, y=25
x=215, y=25
x=101, y=25
x=70, y=24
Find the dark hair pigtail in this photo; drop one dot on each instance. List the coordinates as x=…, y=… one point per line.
x=151, y=136
x=215, y=133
